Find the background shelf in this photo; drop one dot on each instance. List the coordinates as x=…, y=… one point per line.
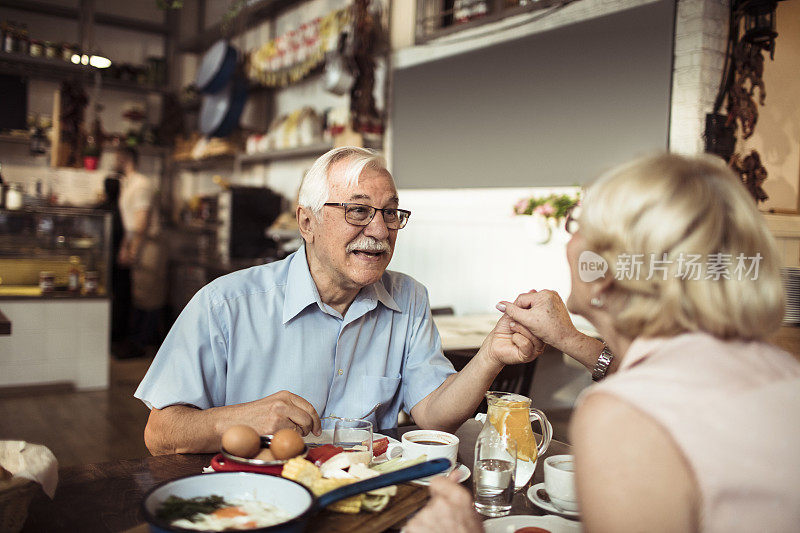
x=289, y=153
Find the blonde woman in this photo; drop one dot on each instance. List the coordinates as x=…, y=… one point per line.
x=697, y=427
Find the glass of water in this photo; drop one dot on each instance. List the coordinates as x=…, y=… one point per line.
x=353, y=434
x=493, y=475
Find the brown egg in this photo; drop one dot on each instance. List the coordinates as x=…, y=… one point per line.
x=265, y=455
x=241, y=441
x=286, y=443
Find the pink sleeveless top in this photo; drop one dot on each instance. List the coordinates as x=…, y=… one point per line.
x=733, y=409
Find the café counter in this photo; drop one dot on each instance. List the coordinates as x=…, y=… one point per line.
x=5, y=324
x=54, y=272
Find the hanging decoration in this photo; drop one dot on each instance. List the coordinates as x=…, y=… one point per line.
x=751, y=33
x=367, y=38
x=752, y=172
x=292, y=56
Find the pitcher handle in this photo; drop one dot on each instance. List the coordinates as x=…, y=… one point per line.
x=547, y=430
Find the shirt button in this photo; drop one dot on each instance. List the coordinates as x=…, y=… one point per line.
x=340, y=372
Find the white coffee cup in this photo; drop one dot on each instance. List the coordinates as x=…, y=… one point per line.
x=432, y=444
x=559, y=481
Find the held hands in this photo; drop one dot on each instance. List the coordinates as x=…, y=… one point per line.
x=450, y=509
x=277, y=411
x=509, y=345
x=542, y=314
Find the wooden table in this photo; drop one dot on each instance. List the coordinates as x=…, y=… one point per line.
x=105, y=497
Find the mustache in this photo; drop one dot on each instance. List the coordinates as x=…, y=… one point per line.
x=369, y=244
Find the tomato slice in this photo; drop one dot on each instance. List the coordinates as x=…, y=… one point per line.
x=320, y=454
x=380, y=446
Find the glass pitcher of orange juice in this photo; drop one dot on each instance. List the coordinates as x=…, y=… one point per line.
x=511, y=415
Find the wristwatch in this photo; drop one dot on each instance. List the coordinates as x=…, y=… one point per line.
x=603, y=362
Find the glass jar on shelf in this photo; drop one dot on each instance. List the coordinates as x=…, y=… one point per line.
x=36, y=48
x=14, y=197
x=50, y=49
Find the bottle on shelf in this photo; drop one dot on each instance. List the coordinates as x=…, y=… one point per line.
x=9, y=37
x=91, y=279
x=74, y=283
x=14, y=196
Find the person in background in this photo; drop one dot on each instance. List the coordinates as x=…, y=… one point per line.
x=120, y=275
x=696, y=430
x=140, y=252
x=327, y=331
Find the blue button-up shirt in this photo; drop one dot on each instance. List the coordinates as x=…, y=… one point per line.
x=265, y=329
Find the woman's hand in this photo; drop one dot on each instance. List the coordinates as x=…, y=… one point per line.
x=544, y=315
x=449, y=509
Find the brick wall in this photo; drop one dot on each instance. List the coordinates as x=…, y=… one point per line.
x=701, y=31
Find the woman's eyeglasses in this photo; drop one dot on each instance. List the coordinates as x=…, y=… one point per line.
x=571, y=220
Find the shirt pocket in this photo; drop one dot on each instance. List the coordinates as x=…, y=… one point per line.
x=383, y=390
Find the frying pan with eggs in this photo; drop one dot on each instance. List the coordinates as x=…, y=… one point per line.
x=290, y=496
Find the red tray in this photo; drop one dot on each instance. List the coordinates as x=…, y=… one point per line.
x=221, y=464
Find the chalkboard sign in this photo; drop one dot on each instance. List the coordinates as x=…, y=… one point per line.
x=553, y=108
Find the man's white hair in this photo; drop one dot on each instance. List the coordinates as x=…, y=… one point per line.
x=316, y=185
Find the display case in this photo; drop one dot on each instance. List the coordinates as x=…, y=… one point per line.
x=55, y=252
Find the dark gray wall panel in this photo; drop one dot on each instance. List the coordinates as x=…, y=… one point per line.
x=555, y=108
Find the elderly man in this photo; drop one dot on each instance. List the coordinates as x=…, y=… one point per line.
x=326, y=331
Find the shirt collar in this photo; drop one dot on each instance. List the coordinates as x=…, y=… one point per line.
x=383, y=296
x=301, y=291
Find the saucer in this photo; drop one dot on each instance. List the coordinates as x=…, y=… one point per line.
x=547, y=506
x=462, y=471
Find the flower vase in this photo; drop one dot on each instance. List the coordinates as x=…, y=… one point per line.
x=539, y=228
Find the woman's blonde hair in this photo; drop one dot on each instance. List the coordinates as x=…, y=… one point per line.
x=665, y=211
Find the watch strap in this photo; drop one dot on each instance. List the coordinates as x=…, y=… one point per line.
x=603, y=363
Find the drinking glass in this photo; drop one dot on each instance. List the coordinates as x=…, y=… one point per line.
x=495, y=464
x=351, y=432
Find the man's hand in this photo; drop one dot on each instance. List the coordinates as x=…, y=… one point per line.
x=277, y=411
x=187, y=429
x=507, y=345
x=450, y=509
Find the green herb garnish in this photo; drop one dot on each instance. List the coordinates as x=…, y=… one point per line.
x=175, y=508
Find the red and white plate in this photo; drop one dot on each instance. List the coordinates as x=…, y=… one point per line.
x=510, y=524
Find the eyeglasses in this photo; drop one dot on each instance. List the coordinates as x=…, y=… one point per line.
x=362, y=215
x=571, y=224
